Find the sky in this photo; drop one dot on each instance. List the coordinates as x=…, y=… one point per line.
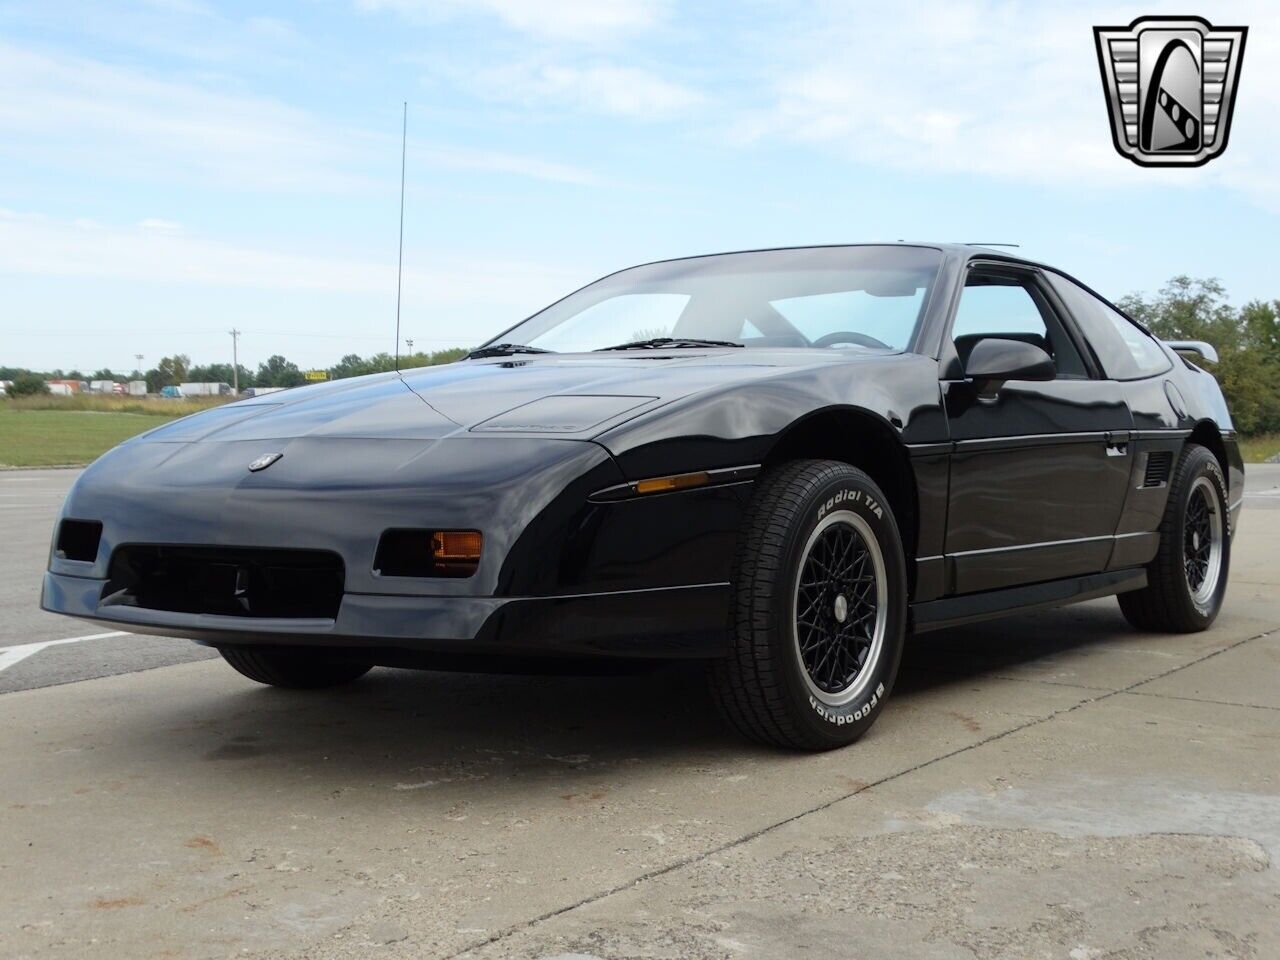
x=171, y=169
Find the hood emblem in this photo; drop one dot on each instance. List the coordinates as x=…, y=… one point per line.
x=265, y=461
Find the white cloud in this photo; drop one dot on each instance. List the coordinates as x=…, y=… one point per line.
x=577, y=20
x=990, y=87
x=77, y=113
x=71, y=111
x=491, y=161
x=621, y=91
x=121, y=289
x=155, y=252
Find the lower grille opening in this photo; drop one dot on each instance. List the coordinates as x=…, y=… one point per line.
x=78, y=540
x=227, y=581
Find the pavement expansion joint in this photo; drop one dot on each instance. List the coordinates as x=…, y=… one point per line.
x=746, y=838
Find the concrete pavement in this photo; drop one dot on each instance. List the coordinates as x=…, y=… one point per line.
x=1055, y=785
x=29, y=505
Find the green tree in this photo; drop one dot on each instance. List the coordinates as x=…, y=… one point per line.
x=278, y=372
x=1249, y=363
x=169, y=372
x=1262, y=326
x=352, y=365
x=27, y=385
x=220, y=373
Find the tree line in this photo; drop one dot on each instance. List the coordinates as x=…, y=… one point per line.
x=276, y=371
x=1247, y=340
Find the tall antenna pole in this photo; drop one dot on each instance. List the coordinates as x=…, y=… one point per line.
x=404, y=140
x=235, y=361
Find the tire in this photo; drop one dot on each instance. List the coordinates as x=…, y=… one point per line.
x=304, y=669
x=804, y=513
x=1173, y=601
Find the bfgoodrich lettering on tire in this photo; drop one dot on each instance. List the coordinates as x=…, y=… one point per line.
x=819, y=609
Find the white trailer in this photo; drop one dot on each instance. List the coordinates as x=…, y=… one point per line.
x=205, y=389
x=137, y=388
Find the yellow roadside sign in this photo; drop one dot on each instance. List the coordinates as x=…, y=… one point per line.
x=315, y=376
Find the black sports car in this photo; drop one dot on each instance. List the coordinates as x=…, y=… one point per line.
x=780, y=461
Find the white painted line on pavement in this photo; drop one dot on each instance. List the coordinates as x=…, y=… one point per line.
x=10, y=656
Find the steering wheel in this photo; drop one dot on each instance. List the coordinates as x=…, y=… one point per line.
x=849, y=336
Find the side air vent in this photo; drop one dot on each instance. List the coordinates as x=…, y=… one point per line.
x=1159, y=464
x=78, y=540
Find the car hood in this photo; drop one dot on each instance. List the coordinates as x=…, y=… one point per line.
x=568, y=395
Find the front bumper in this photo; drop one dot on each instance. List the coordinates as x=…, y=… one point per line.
x=560, y=573
x=690, y=621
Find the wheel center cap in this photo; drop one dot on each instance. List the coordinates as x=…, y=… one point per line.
x=841, y=608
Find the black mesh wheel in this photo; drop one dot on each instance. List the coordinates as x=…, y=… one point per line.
x=1187, y=580
x=819, y=609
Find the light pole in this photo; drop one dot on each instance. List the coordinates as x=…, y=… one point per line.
x=138, y=357
x=235, y=362
x=408, y=342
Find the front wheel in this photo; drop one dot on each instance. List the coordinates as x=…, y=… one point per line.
x=820, y=604
x=301, y=669
x=1187, y=579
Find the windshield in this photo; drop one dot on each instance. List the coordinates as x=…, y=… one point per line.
x=838, y=297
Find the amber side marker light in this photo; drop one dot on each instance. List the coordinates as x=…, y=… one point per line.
x=681, y=481
x=456, y=551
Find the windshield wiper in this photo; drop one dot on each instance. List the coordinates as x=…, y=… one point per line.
x=502, y=350
x=673, y=343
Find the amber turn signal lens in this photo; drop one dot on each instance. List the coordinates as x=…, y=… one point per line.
x=680, y=481
x=456, y=546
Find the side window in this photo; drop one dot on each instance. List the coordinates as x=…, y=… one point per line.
x=1125, y=352
x=1011, y=308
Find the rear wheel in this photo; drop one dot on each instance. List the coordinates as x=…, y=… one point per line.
x=303, y=669
x=1188, y=577
x=819, y=608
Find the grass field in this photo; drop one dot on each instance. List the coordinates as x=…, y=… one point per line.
x=1258, y=449
x=51, y=431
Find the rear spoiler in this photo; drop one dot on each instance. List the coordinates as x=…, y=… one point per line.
x=1194, y=348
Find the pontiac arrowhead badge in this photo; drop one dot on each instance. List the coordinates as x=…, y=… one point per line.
x=1170, y=84
x=263, y=462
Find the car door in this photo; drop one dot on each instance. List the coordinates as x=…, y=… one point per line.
x=1039, y=469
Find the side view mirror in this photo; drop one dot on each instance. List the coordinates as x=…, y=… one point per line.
x=994, y=360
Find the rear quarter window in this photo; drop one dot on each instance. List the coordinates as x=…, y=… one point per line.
x=1125, y=351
